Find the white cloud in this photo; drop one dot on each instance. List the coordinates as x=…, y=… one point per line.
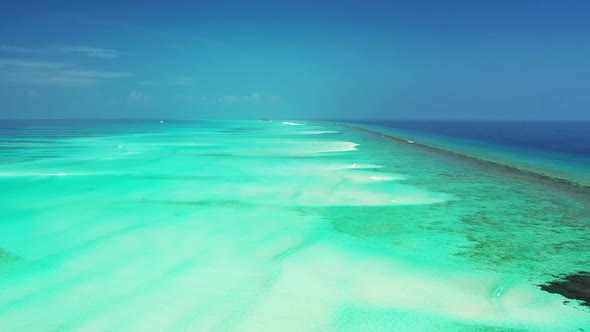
x=180, y=81
x=24, y=71
x=228, y=99
x=192, y=99
x=137, y=97
x=96, y=74
x=7, y=62
x=93, y=52
x=276, y=100
x=44, y=78
x=18, y=49
x=252, y=98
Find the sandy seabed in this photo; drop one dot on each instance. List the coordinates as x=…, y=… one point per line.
x=273, y=226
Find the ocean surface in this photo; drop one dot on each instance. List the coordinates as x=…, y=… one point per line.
x=559, y=149
x=286, y=226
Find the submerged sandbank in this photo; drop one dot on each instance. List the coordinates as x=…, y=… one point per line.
x=252, y=226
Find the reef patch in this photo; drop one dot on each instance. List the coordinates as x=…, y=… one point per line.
x=575, y=287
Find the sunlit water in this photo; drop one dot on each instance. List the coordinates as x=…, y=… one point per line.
x=275, y=226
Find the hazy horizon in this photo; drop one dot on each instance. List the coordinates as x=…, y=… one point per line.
x=306, y=119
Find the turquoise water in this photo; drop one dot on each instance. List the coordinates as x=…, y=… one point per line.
x=266, y=226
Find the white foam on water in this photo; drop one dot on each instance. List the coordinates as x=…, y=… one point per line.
x=385, y=178
x=289, y=123
x=328, y=146
x=418, y=199
x=371, y=176
x=175, y=144
x=359, y=165
x=41, y=174
x=319, y=132
x=340, y=173
x=315, y=168
x=288, y=148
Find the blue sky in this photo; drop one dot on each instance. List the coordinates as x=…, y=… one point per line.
x=295, y=59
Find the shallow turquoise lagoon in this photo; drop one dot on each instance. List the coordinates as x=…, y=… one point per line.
x=276, y=226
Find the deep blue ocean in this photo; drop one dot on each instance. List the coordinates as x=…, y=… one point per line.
x=560, y=147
